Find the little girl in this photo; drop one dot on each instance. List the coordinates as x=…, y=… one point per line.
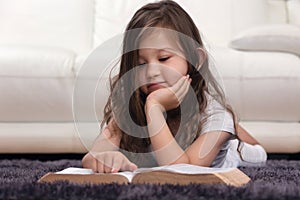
x=179, y=111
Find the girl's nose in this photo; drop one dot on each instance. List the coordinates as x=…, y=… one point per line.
x=152, y=71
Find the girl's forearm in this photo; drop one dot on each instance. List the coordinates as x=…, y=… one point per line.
x=166, y=149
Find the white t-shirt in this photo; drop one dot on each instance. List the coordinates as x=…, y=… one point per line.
x=218, y=119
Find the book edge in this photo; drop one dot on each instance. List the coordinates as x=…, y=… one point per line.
x=234, y=177
x=51, y=177
x=174, y=178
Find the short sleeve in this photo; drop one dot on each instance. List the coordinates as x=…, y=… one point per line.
x=216, y=118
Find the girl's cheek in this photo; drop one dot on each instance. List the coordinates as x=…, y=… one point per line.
x=171, y=76
x=141, y=76
x=171, y=81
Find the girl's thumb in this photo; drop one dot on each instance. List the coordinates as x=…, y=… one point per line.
x=132, y=167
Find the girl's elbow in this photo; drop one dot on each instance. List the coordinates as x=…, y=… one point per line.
x=182, y=160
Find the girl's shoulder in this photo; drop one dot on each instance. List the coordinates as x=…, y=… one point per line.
x=214, y=103
x=216, y=117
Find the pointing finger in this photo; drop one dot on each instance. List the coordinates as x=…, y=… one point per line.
x=179, y=84
x=183, y=90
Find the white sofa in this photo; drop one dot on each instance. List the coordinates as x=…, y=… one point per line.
x=44, y=43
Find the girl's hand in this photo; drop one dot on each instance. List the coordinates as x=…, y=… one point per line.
x=107, y=162
x=170, y=97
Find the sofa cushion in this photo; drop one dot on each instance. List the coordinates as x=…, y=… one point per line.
x=283, y=37
x=293, y=8
x=228, y=17
x=34, y=61
x=35, y=99
x=37, y=83
x=109, y=12
x=251, y=78
x=66, y=24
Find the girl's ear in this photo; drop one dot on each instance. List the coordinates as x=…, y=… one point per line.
x=202, y=57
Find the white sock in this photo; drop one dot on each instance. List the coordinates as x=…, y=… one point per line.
x=252, y=154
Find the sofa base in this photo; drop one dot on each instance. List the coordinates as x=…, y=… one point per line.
x=40, y=138
x=64, y=138
x=275, y=137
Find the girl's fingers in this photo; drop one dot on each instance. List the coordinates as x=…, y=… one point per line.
x=104, y=162
x=108, y=162
x=127, y=165
x=100, y=164
x=186, y=88
x=94, y=166
x=90, y=162
x=112, y=162
x=130, y=167
x=116, y=166
x=179, y=84
x=182, y=86
x=183, y=89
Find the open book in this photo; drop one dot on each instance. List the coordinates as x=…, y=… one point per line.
x=172, y=174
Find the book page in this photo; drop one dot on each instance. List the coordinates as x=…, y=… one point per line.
x=129, y=175
x=76, y=170
x=178, y=168
x=185, y=169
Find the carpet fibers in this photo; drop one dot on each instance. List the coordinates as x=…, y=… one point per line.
x=278, y=179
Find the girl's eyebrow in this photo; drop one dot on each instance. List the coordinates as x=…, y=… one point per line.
x=168, y=49
x=173, y=51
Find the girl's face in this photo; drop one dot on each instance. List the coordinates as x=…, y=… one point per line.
x=161, y=61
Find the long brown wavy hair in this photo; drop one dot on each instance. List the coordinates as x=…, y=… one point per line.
x=163, y=14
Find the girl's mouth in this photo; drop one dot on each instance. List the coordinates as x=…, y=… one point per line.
x=154, y=86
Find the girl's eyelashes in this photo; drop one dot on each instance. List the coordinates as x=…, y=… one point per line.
x=141, y=64
x=160, y=59
x=163, y=59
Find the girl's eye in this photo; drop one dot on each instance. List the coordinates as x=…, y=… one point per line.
x=163, y=59
x=142, y=64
